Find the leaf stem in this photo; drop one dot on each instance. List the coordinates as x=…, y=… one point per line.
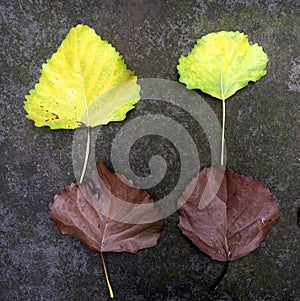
x=223, y=131
x=111, y=293
x=87, y=153
x=213, y=287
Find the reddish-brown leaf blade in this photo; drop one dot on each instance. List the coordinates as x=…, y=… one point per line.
x=94, y=213
x=236, y=219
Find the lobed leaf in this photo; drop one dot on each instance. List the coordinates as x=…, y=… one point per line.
x=236, y=219
x=222, y=63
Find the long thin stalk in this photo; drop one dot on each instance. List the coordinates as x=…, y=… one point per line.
x=214, y=287
x=223, y=115
x=111, y=293
x=223, y=131
x=87, y=153
x=86, y=159
x=88, y=141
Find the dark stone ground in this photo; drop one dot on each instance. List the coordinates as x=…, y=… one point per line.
x=37, y=262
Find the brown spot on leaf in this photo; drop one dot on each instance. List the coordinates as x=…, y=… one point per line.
x=55, y=115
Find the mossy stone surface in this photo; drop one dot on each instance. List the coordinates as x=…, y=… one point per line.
x=262, y=128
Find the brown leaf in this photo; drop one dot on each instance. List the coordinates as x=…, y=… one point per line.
x=106, y=214
x=236, y=219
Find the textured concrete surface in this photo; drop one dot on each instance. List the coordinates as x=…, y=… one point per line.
x=37, y=262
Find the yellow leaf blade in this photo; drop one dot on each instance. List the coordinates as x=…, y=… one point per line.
x=113, y=104
x=222, y=63
x=83, y=68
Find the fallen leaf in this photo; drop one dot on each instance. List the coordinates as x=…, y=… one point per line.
x=107, y=213
x=236, y=219
x=85, y=83
x=222, y=63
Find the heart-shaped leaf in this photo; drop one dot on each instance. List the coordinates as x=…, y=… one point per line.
x=107, y=214
x=222, y=63
x=85, y=83
x=236, y=219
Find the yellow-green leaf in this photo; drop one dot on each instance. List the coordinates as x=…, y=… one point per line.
x=113, y=104
x=80, y=81
x=222, y=63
